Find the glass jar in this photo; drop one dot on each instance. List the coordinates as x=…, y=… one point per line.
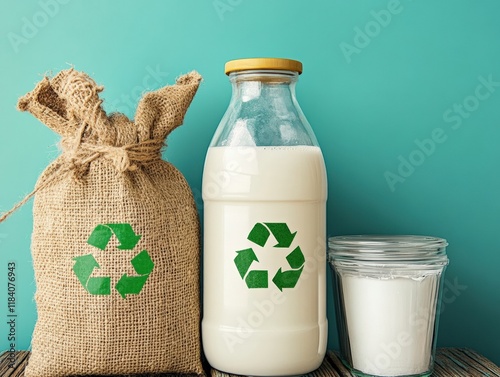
x=264, y=192
x=387, y=293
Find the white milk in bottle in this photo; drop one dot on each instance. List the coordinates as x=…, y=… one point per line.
x=264, y=191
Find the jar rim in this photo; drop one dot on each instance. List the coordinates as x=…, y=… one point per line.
x=388, y=248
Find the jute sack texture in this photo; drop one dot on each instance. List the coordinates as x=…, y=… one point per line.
x=115, y=242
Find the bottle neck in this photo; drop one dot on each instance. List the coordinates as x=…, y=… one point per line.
x=264, y=85
x=264, y=112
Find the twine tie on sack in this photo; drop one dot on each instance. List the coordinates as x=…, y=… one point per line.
x=124, y=158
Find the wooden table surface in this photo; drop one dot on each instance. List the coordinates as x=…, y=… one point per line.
x=450, y=362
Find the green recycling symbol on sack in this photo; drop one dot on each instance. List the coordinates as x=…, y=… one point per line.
x=286, y=277
x=127, y=285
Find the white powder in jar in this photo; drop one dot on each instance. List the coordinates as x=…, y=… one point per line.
x=390, y=322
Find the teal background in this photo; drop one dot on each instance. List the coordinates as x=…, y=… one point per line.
x=369, y=103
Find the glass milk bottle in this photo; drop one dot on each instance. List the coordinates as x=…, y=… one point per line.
x=264, y=192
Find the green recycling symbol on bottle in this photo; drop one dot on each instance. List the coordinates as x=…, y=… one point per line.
x=127, y=285
x=259, y=235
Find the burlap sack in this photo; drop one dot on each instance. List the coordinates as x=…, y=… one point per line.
x=116, y=237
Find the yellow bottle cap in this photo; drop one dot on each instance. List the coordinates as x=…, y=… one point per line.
x=276, y=64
